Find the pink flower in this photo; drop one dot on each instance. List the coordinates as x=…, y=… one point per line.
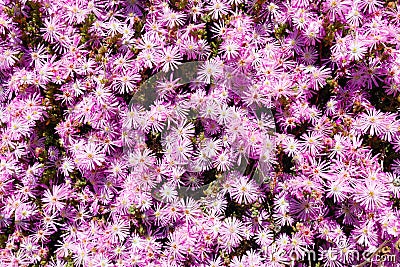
x=372, y=195
x=90, y=156
x=53, y=200
x=217, y=8
x=244, y=190
x=356, y=49
x=231, y=233
x=169, y=58
x=374, y=121
x=318, y=77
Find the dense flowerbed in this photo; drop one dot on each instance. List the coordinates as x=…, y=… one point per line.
x=79, y=165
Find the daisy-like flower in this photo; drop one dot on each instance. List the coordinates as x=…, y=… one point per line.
x=5, y=23
x=184, y=130
x=231, y=232
x=330, y=257
x=211, y=147
x=182, y=149
x=396, y=143
x=308, y=55
x=312, y=32
x=219, y=29
x=141, y=159
x=356, y=50
x=190, y=48
x=216, y=205
x=171, y=211
x=318, y=77
x=172, y=19
x=168, y=192
x=366, y=234
x=8, y=58
x=84, y=110
x=392, y=127
x=211, y=127
x=114, y=27
x=190, y=209
x=53, y=200
x=254, y=143
x=217, y=8
x=337, y=8
x=254, y=96
x=312, y=143
x=230, y=49
x=126, y=81
x=370, y=5
x=177, y=244
x=202, y=161
x=81, y=255
x=169, y=58
x=374, y=121
x=118, y=230
x=193, y=180
x=196, y=11
x=210, y=69
x=52, y=29
x=210, y=110
x=272, y=9
x=297, y=245
x=90, y=156
x=295, y=41
x=18, y=128
x=224, y=114
x=338, y=149
x=264, y=237
x=371, y=195
x=354, y=17
x=304, y=209
x=338, y=189
x=216, y=262
x=291, y=146
x=244, y=190
x=300, y=20
x=57, y=263
x=223, y=161
x=394, y=184
x=167, y=87
x=276, y=255
x=39, y=56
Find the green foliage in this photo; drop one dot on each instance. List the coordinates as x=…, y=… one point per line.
x=280, y=32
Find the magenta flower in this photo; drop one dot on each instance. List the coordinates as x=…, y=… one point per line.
x=372, y=195
x=54, y=200
x=169, y=58
x=285, y=142
x=90, y=156
x=232, y=232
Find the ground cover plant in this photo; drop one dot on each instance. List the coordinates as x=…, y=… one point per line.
x=290, y=159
